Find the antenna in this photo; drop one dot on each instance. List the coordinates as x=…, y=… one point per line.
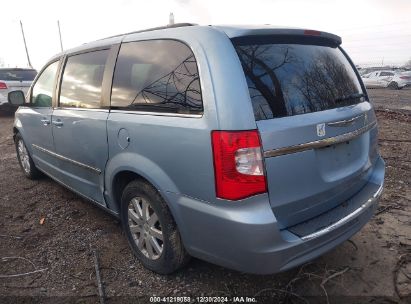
x=171, y=19
x=61, y=42
x=25, y=45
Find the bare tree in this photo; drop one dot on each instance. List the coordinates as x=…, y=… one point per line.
x=325, y=82
x=257, y=64
x=179, y=88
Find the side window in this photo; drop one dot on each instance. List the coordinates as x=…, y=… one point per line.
x=386, y=74
x=82, y=80
x=42, y=91
x=156, y=76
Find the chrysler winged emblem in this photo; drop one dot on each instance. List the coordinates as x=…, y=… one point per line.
x=321, y=129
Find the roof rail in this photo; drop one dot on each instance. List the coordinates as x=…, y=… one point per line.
x=154, y=29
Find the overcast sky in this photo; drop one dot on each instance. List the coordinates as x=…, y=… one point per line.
x=373, y=31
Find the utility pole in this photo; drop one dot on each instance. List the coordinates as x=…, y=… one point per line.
x=61, y=42
x=171, y=19
x=25, y=45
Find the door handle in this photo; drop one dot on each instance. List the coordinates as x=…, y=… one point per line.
x=58, y=123
x=45, y=122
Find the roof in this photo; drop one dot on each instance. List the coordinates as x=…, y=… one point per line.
x=232, y=31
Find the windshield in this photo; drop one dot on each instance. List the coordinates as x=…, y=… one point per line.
x=292, y=79
x=17, y=75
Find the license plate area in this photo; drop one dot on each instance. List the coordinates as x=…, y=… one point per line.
x=343, y=159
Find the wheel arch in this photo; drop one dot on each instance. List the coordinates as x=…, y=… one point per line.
x=122, y=169
x=15, y=131
x=18, y=128
x=120, y=181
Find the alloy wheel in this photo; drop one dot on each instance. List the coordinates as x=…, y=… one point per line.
x=145, y=228
x=24, y=156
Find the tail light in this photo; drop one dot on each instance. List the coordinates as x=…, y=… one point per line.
x=238, y=164
x=3, y=86
x=405, y=77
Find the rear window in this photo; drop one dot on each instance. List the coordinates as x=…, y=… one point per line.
x=17, y=75
x=286, y=79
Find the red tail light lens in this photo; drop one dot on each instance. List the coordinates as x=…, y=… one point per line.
x=238, y=164
x=3, y=85
x=405, y=77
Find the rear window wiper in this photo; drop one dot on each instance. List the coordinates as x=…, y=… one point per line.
x=350, y=97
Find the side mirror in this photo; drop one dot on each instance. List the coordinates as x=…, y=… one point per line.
x=16, y=98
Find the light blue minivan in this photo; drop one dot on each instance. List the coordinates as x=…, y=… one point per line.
x=254, y=148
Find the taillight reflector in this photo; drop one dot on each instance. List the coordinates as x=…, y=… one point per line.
x=3, y=85
x=238, y=164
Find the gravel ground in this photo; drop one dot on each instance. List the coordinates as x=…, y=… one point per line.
x=46, y=228
x=391, y=99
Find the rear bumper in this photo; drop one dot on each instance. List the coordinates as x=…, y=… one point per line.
x=245, y=236
x=3, y=99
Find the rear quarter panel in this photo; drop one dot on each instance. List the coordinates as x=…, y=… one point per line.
x=171, y=156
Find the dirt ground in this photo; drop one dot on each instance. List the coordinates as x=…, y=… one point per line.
x=373, y=267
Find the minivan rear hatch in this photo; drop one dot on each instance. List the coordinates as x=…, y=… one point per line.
x=317, y=128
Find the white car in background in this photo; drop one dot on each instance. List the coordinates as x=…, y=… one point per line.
x=405, y=77
x=386, y=79
x=13, y=79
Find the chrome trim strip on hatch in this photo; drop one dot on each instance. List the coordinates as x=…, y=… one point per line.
x=345, y=122
x=320, y=143
x=95, y=170
x=347, y=218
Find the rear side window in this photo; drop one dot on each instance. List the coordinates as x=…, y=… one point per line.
x=386, y=74
x=290, y=79
x=82, y=80
x=157, y=76
x=17, y=75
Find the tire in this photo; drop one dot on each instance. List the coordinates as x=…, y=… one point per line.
x=157, y=231
x=25, y=161
x=393, y=86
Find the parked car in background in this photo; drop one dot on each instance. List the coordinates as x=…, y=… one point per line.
x=254, y=148
x=12, y=79
x=405, y=77
x=386, y=79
